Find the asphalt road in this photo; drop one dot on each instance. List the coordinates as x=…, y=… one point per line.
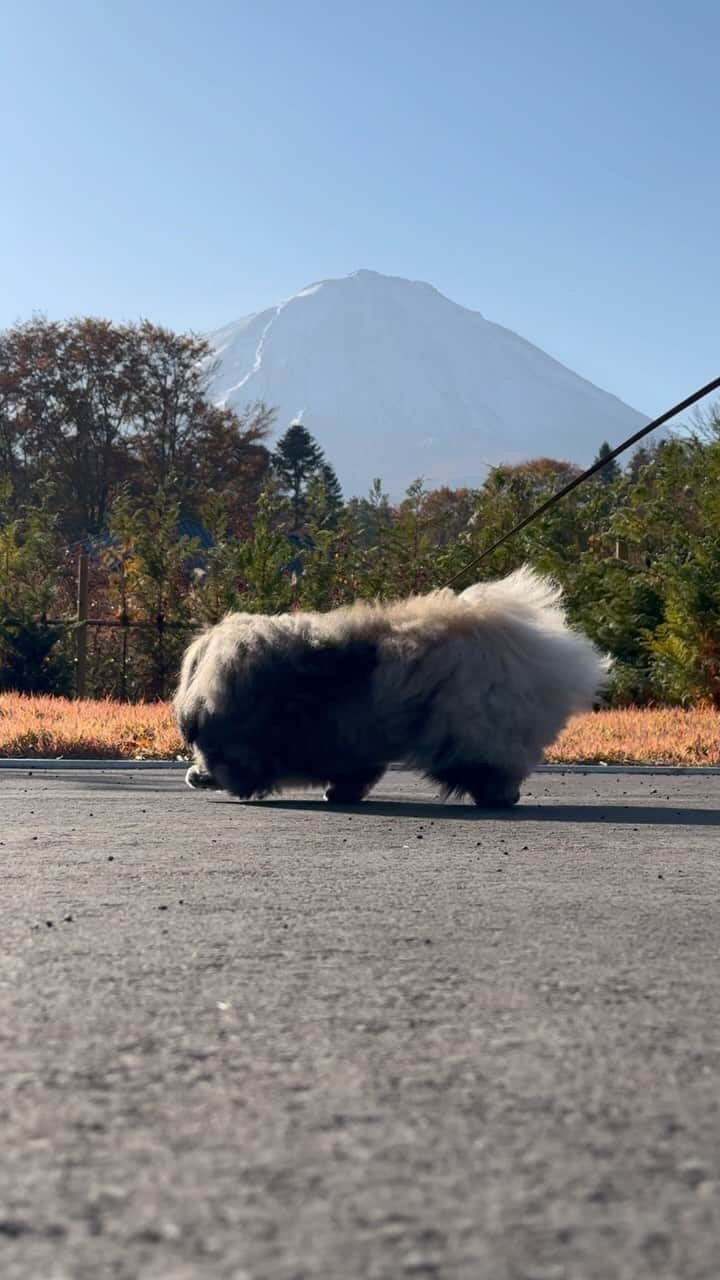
x=409, y=1040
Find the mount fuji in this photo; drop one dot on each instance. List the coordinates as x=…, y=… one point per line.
x=395, y=380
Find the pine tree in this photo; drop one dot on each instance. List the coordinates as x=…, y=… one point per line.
x=297, y=459
x=611, y=470
x=333, y=489
x=323, y=498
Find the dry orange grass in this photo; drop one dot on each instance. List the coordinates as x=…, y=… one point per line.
x=662, y=735
x=53, y=727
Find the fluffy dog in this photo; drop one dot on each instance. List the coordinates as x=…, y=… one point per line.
x=469, y=689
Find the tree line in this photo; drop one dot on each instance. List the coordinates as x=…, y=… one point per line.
x=109, y=442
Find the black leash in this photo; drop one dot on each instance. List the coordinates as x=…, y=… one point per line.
x=591, y=471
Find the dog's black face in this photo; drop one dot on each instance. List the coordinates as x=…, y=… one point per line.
x=301, y=717
x=229, y=769
x=220, y=763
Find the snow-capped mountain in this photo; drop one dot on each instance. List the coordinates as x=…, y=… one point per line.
x=395, y=380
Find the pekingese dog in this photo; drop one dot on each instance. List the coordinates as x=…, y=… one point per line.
x=468, y=689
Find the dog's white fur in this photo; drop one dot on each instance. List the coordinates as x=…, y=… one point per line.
x=469, y=689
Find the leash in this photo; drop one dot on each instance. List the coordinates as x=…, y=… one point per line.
x=585, y=475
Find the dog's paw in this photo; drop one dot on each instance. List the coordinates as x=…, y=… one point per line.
x=199, y=780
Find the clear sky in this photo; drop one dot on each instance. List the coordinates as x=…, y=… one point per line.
x=551, y=163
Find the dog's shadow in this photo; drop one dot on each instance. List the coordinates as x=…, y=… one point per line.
x=632, y=815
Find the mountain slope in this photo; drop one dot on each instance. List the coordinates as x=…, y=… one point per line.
x=397, y=381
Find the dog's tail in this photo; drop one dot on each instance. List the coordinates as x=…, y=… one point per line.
x=524, y=593
x=568, y=658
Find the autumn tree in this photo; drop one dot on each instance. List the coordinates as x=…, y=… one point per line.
x=176, y=435
x=87, y=406
x=510, y=493
x=63, y=410
x=228, y=459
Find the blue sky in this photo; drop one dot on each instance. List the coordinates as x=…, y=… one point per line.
x=551, y=163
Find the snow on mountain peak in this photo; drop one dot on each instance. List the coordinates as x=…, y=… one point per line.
x=395, y=380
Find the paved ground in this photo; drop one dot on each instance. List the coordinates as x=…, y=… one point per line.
x=277, y=1041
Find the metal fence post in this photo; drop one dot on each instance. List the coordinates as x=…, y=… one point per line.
x=82, y=631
